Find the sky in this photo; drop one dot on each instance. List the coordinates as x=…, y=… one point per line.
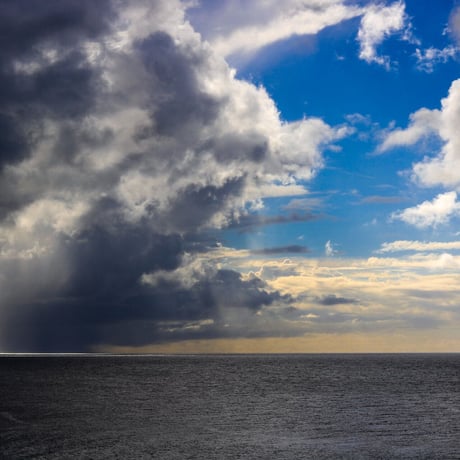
x=229, y=176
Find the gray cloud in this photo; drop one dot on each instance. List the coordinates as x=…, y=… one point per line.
x=249, y=222
x=304, y=204
x=197, y=204
x=334, y=300
x=32, y=83
x=292, y=249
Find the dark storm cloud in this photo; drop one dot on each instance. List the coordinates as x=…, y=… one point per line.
x=304, y=204
x=13, y=139
x=72, y=137
x=427, y=294
x=175, y=78
x=65, y=87
x=111, y=167
x=25, y=23
x=292, y=249
x=107, y=263
x=113, y=309
x=233, y=148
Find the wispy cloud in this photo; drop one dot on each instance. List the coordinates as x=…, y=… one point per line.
x=335, y=300
x=250, y=221
x=428, y=58
x=292, y=249
x=418, y=246
x=305, y=204
x=329, y=250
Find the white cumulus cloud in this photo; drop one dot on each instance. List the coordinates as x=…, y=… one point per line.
x=418, y=246
x=422, y=123
x=431, y=213
x=378, y=23
x=443, y=167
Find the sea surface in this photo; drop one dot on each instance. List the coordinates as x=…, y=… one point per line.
x=230, y=407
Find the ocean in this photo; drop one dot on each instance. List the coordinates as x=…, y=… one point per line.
x=231, y=407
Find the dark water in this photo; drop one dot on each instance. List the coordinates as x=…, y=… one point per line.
x=231, y=407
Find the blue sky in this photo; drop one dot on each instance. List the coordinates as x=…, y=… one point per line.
x=322, y=75
x=231, y=175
